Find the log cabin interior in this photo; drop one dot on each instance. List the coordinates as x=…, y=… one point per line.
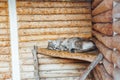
x=38, y=21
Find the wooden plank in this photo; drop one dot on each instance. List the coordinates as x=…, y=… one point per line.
x=103, y=73
x=4, y=64
x=51, y=37
x=91, y=66
x=3, y=4
x=4, y=43
x=104, y=17
x=54, y=31
x=46, y=11
x=106, y=40
x=95, y=3
x=116, y=11
x=51, y=4
x=62, y=17
x=3, y=11
x=5, y=70
x=62, y=54
x=4, y=50
x=108, y=67
x=104, y=50
x=105, y=5
x=3, y=19
x=4, y=25
x=105, y=28
x=4, y=31
x=116, y=27
x=116, y=74
x=55, y=24
x=5, y=58
x=51, y=60
x=5, y=76
x=116, y=58
x=36, y=64
x=59, y=0
x=4, y=37
x=55, y=67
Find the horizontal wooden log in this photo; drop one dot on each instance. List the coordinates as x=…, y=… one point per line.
x=104, y=74
x=3, y=4
x=26, y=11
x=4, y=43
x=116, y=74
x=4, y=64
x=106, y=40
x=116, y=27
x=4, y=25
x=37, y=18
x=4, y=19
x=4, y=31
x=4, y=37
x=105, y=5
x=104, y=17
x=6, y=69
x=5, y=58
x=95, y=3
x=51, y=4
x=62, y=54
x=3, y=11
x=51, y=37
x=53, y=74
x=108, y=67
x=5, y=76
x=116, y=58
x=116, y=10
x=58, y=0
x=54, y=31
x=4, y=50
x=105, y=28
x=51, y=60
x=32, y=43
x=56, y=24
x=104, y=50
x=53, y=67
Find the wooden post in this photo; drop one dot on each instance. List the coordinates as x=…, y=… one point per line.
x=91, y=66
x=36, y=66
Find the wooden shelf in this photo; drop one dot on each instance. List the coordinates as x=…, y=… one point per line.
x=62, y=54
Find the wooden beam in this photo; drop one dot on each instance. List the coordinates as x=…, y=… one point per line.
x=105, y=5
x=105, y=28
x=95, y=3
x=104, y=17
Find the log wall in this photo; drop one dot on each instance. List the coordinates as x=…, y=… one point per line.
x=5, y=55
x=39, y=22
x=106, y=22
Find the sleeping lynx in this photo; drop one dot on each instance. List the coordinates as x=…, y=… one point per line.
x=74, y=44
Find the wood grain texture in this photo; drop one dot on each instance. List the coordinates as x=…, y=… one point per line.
x=106, y=40
x=59, y=17
x=54, y=31
x=46, y=11
x=102, y=7
x=104, y=74
x=4, y=25
x=51, y=4
x=80, y=56
x=55, y=24
x=105, y=28
x=104, y=17
x=95, y=3
x=109, y=67
x=3, y=19
x=104, y=50
x=3, y=11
